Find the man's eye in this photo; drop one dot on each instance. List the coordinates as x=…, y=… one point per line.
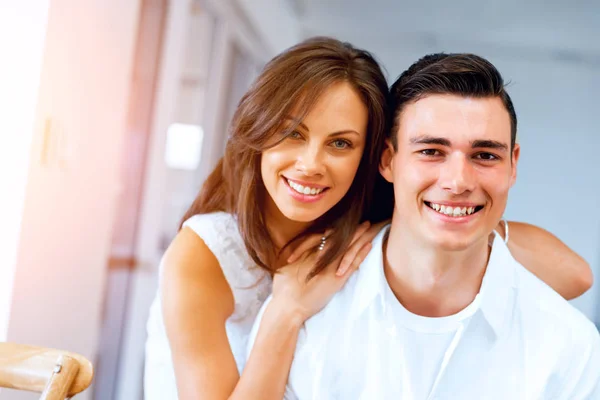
x=341, y=144
x=430, y=152
x=486, y=156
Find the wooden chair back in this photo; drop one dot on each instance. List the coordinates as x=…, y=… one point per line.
x=55, y=374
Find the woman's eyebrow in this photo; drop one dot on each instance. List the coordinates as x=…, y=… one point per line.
x=336, y=133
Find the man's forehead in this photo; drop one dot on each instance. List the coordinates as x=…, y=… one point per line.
x=455, y=119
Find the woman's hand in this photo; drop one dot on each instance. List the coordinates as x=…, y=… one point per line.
x=306, y=298
x=364, y=234
x=351, y=257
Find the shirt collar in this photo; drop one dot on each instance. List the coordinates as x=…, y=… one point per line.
x=497, y=289
x=495, y=295
x=371, y=281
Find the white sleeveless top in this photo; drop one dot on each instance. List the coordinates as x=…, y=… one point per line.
x=249, y=284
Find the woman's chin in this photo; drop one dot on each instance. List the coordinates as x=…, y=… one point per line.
x=302, y=217
x=302, y=214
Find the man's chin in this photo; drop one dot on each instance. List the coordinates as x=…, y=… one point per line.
x=453, y=242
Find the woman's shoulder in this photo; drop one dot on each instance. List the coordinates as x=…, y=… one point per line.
x=216, y=223
x=219, y=230
x=220, y=233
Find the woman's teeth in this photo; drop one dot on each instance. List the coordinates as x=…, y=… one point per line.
x=452, y=211
x=306, y=190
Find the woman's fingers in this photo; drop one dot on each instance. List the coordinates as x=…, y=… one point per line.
x=355, y=246
x=363, y=234
x=356, y=261
x=361, y=238
x=361, y=230
x=309, y=243
x=350, y=256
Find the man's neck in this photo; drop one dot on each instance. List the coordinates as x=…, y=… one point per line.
x=430, y=281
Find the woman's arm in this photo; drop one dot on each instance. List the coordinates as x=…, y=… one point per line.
x=549, y=259
x=268, y=367
x=197, y=301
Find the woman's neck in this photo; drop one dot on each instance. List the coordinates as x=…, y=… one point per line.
x=282, y=229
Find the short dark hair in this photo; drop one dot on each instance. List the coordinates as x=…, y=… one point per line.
x=460, y=74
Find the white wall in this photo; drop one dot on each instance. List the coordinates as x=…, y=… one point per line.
x=558, y=186
x=19, y=80
x=275, y=22
x=71, y=190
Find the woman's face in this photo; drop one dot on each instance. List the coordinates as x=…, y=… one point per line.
x=312, y=169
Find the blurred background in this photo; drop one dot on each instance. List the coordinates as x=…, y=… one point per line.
x=113, y=112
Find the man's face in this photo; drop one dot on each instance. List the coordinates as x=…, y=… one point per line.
x=452, y=170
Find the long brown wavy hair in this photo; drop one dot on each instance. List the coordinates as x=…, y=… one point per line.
x=292, y=81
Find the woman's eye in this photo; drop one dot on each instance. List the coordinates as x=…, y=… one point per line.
x=295, y=135
x=430, y=152
x=486, y=156
x=341, y=144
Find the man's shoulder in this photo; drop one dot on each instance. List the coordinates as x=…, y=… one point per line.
x=343, y=303
x=539, y=304
x=560, y=335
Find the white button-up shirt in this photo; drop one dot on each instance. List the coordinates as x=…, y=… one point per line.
x=518, y=340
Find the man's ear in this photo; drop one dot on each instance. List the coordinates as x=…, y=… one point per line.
x=386, y=164
x=514, y=159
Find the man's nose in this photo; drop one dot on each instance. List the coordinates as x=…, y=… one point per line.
x=457, y=176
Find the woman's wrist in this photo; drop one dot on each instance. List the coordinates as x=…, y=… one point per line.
x=285, y=312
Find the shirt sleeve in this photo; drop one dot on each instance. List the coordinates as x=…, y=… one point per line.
x=582, y=379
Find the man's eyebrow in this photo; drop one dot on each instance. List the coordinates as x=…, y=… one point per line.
x=489, y=144
x=427, y=139
x=475, y=144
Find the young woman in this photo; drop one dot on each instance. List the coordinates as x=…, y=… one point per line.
x=280, y=212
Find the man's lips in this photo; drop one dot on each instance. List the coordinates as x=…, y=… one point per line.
x=455, y=209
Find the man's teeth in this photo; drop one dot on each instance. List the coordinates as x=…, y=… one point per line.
x=453, y=211
x=304, y=189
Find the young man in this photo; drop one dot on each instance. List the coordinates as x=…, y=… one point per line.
x=440, y=309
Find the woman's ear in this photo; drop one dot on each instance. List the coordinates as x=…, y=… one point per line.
x=386, y=162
